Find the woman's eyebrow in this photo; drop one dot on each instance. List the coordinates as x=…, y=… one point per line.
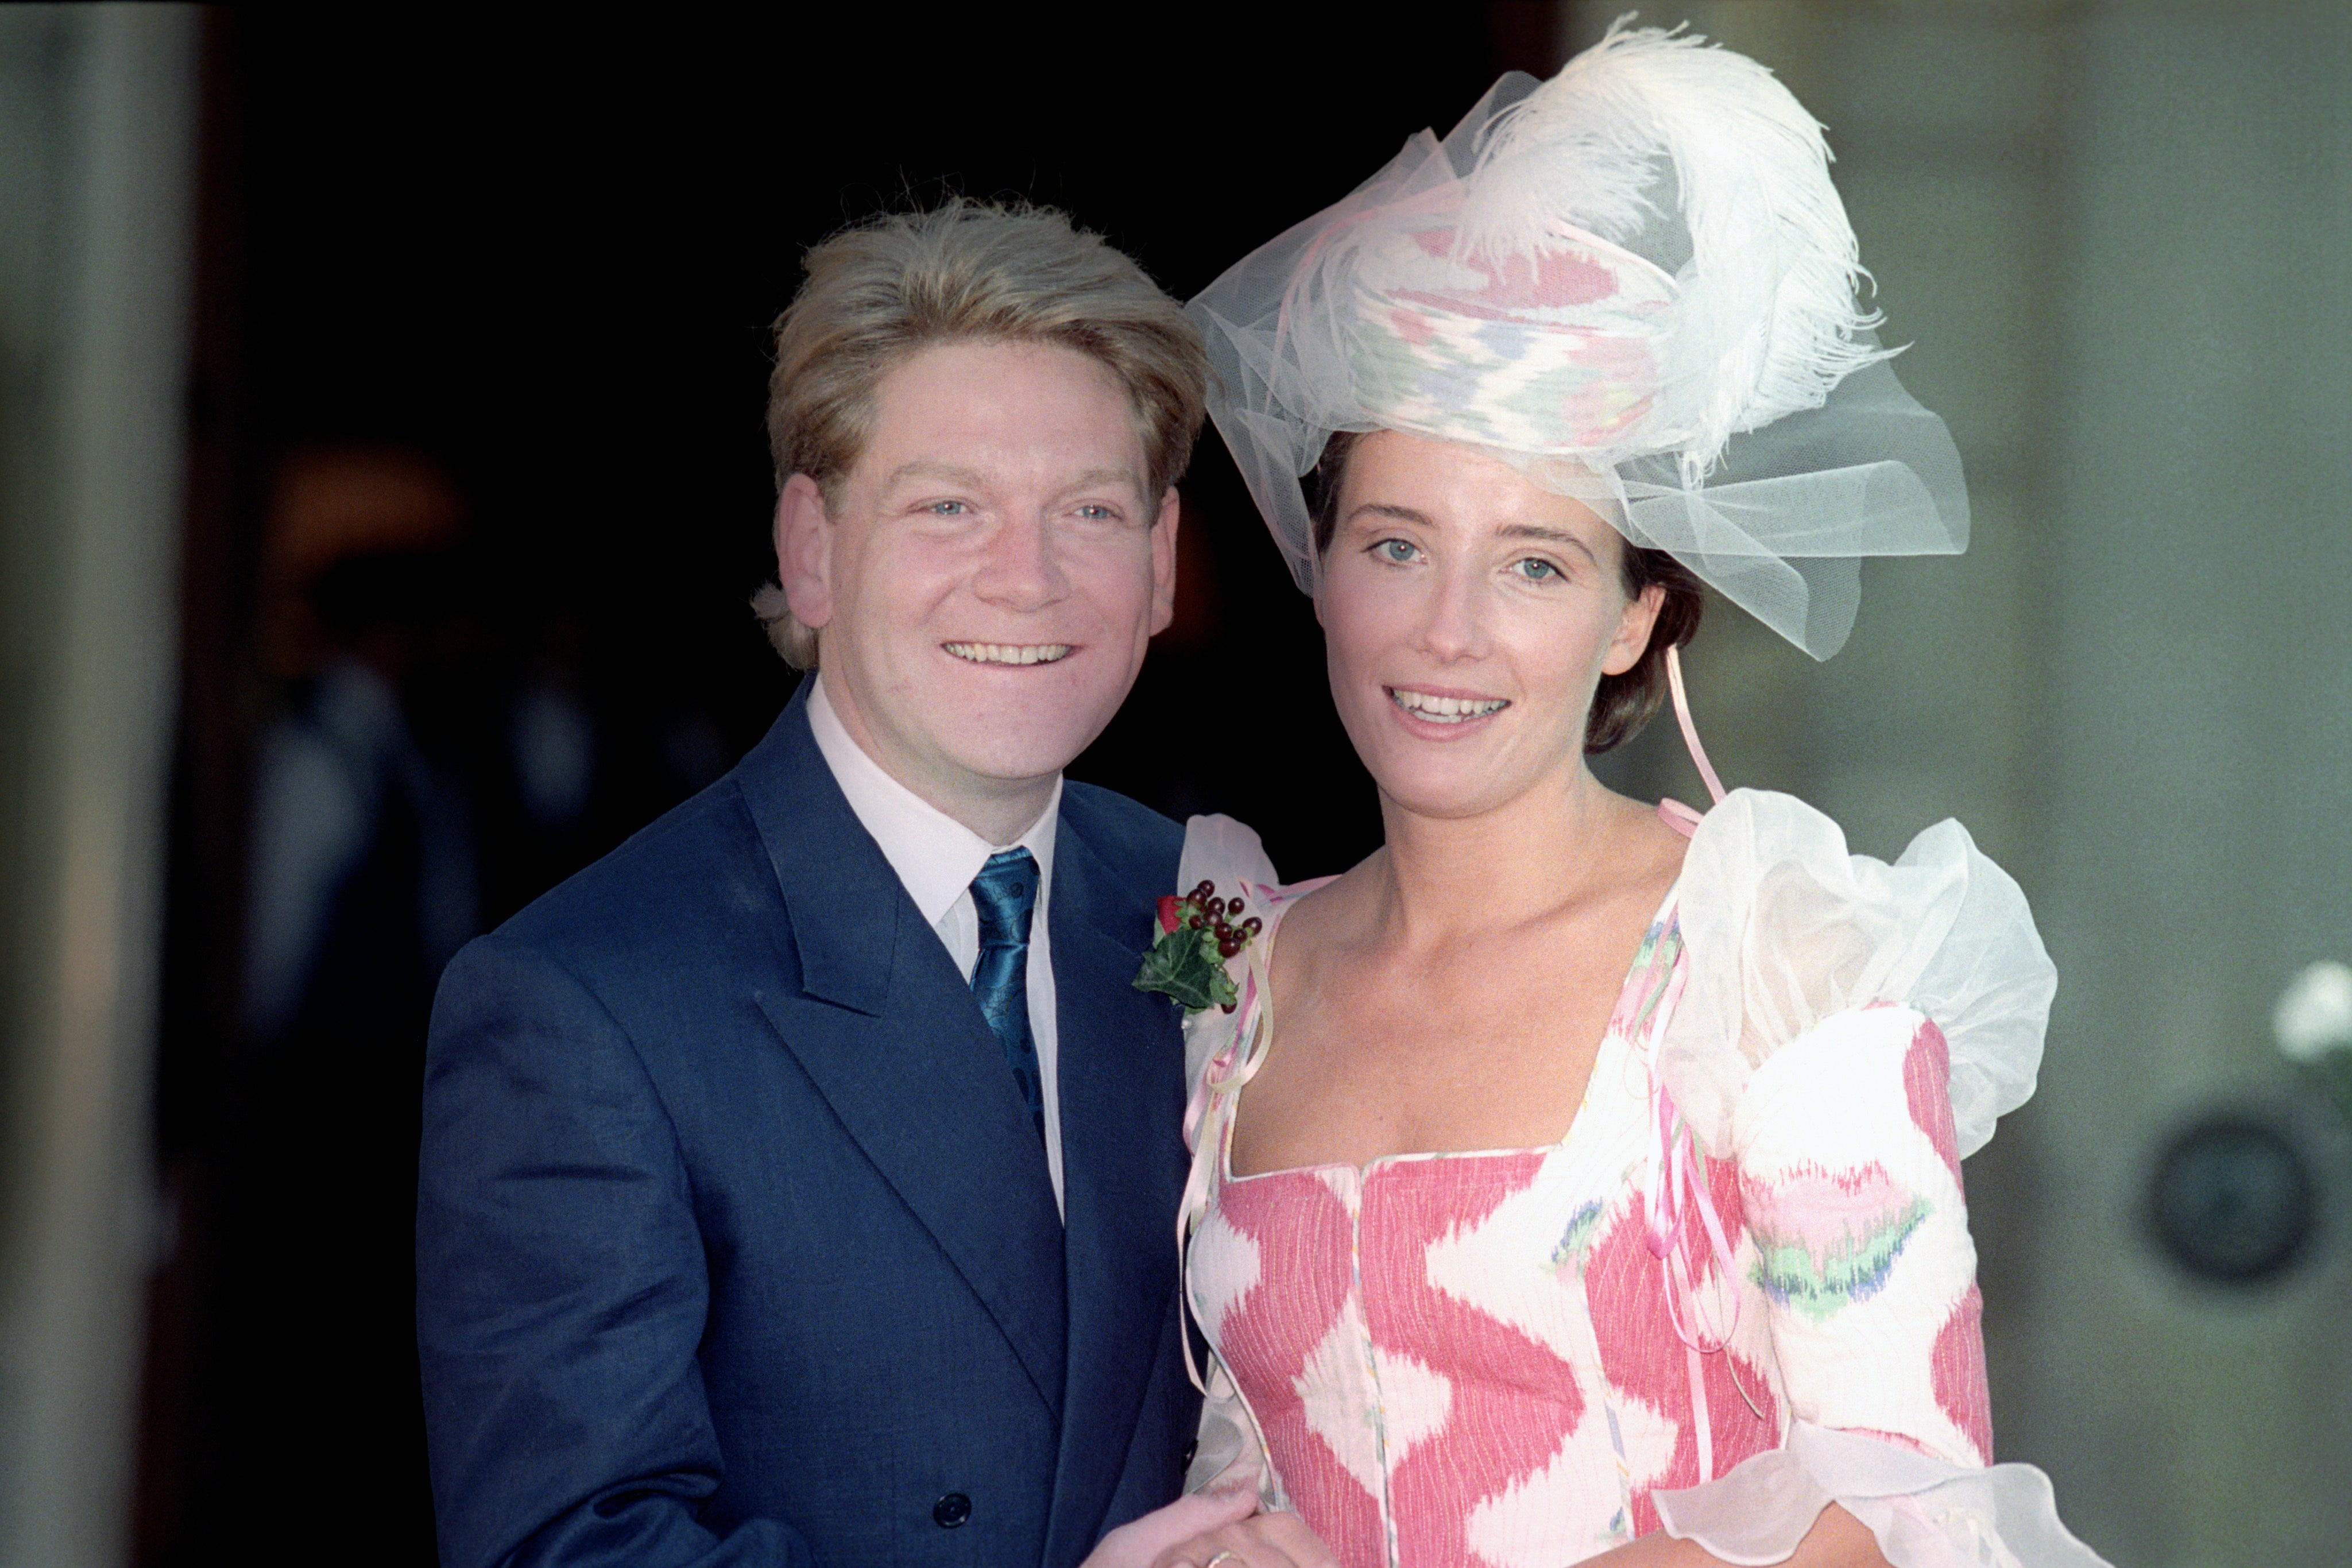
x=1548, y=536
x=1385, y=509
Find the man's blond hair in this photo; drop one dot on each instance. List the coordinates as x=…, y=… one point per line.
x=965, y=272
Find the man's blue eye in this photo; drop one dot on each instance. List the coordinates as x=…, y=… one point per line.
x=1537, y=571
x=947, y=508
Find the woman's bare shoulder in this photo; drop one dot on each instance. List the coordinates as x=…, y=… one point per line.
x=1647, y=851
x=1327, y=912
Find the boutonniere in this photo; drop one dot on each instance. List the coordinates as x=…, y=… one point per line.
x=1198, y=932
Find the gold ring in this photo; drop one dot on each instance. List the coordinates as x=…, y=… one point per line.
x=1228, y=1555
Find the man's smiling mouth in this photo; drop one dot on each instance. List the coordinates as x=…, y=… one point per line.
x=1445, y=710
x=1008, y=653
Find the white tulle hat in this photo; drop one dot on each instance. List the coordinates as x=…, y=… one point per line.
x=1636, y=283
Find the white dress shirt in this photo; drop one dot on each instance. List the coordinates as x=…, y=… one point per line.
x=936, y=858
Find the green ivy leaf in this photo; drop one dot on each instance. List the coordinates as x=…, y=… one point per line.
x=1183, y=964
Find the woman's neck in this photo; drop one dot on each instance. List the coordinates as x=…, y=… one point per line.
x=1442, y=878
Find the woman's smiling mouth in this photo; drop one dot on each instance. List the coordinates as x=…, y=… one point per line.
x=1443, y=709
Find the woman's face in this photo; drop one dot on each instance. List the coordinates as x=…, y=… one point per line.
x=1468, y=614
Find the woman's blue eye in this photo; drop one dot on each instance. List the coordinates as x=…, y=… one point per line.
x=1396, y=551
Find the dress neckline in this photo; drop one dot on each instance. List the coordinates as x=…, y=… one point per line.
x=1637, y=973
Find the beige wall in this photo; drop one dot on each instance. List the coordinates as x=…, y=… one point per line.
x=2201, y=762
x=2120, y=237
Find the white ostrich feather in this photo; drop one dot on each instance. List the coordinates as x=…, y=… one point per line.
x=1769, y=318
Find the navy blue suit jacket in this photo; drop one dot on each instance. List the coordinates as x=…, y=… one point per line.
x=735, y=1240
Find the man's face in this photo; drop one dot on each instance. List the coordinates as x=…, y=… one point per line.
x=986, y=590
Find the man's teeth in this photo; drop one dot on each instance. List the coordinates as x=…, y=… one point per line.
x=1010, y=653
x=1445, y=710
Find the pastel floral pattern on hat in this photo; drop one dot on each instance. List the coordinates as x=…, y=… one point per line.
x=1557, y=352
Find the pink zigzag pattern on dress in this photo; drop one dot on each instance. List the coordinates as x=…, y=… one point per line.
x=1927, y=1087
x=1514, y=1402
x=1644, y=1359
x=1305, y=1239
x=1957, y=1365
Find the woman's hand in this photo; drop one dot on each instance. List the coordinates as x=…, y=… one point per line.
x=1144, y=1542
x=1261, y=1540
x=1837, y=1539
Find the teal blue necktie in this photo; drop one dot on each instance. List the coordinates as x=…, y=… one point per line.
x=1005, y=895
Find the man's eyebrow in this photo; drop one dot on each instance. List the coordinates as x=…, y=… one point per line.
x=1095, y=476
x=956, y=474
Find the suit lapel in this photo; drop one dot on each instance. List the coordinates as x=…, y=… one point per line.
x=1121, y=1092
x=888, y=1032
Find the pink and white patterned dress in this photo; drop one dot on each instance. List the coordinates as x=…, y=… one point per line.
x=1738, y=1287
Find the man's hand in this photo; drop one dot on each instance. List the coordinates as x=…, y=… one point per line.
x=1261, y=1540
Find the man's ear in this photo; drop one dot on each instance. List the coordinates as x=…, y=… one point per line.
x=804, y=552
x=1633, y=637
x=1164, y=561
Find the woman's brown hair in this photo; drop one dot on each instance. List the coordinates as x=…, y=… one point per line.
x=1623, y=704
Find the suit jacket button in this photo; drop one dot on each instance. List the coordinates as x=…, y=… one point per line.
x=952, y=1511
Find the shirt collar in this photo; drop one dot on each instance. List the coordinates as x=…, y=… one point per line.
x=936, y=856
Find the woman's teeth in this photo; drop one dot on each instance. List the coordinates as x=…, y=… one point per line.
x=1009, y=652
x=1445, y=710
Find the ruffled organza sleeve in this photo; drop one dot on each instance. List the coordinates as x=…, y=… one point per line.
x=1847, y=1032
x=1785, y=930
x=1228, y=855
x=1925, y=1513
x=1217, y=1061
